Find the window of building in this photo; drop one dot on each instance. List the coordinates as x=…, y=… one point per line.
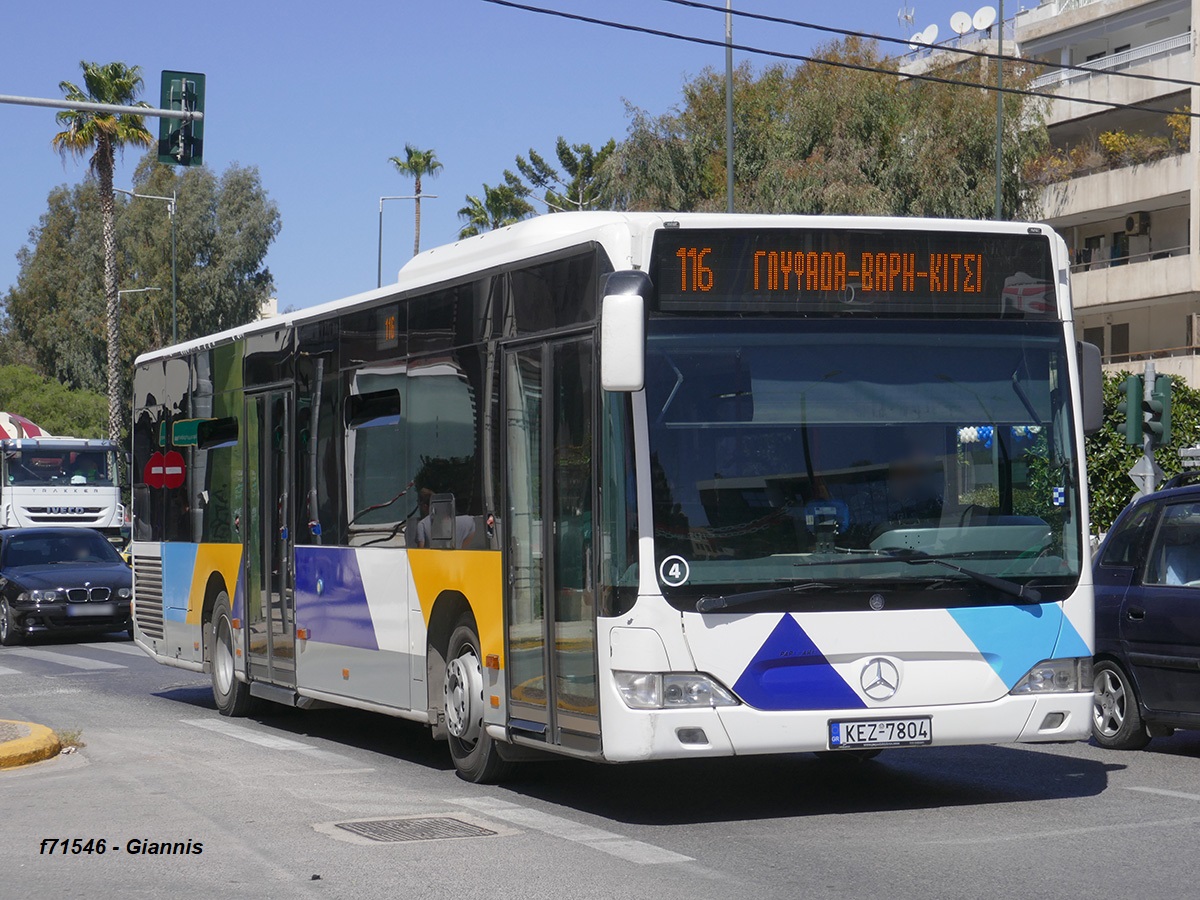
x=1095, y=336
x=1118, y=339
x=1120, y=248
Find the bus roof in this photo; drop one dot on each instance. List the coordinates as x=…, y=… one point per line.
x=555, y=231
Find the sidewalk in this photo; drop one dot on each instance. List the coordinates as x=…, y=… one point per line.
x=22, y=743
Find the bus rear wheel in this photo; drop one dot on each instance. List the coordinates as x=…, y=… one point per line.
x=474, y=752
x=231, y=696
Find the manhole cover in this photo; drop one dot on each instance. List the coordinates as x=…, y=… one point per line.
x=428, y=828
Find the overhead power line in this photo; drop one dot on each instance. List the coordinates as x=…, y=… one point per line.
x=834, y=63
x=981, y=54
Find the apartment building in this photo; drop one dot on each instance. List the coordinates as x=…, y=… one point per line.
x=1120, y=185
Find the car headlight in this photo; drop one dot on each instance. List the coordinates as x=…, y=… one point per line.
x=672, y=690
x=45, y=596
x=124, y=593
x=1057, y=676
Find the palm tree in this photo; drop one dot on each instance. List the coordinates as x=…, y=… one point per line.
x=499, y=206
x=101, y=135
x=416, y=165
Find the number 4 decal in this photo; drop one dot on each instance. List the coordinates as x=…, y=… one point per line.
x=674, y=571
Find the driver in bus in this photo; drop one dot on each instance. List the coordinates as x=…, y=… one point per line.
x=911, y=492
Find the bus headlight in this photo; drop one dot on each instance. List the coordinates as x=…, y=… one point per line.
x=672, y=690
x=1057, y=676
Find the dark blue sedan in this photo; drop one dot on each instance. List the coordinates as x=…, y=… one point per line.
x=61, y=580
x=1147, y=574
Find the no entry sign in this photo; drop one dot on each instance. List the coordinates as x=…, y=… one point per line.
x=165, y=470
x=173, y=469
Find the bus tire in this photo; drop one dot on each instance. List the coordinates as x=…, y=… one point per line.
x=473, y=751
x=231, y=696
x=1116, y=717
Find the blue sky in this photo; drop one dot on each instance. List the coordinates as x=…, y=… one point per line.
x=318, y=98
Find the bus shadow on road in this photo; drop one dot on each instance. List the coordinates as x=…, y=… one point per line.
x=718, y=790
x=373, y=732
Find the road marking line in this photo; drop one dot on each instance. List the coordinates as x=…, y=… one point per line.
x=274, y=742
x=63, y=659
x=606, y=841
x=1180, y=794
x=4, y=671
x=248, y=735
x=1064, y=832
x=117, y=648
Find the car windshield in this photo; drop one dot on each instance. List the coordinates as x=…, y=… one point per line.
x=44, y=466
x=829, y=451
x=87, y=547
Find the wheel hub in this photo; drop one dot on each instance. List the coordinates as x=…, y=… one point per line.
x=462, y=690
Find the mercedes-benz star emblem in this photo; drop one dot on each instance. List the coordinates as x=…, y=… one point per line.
x=880, y=678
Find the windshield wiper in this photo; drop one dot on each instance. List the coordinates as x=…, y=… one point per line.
x=728, y=601
x=1020, y=591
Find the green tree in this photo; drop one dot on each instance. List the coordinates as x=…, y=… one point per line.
x=497, y=207
x=101, y=135
x=1109, y=458
x=825, y=140
x=575, y=187
x=417, y=164
x=54, y=314
x=51, y=404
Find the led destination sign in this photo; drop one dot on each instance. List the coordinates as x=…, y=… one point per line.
x=841, y=272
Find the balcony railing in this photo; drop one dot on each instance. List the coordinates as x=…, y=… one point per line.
x=1100, y=260
x=1115, y=61
x=1143, y=355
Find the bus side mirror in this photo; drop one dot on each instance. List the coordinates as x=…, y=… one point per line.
x=623, y=332
x=1091, y=387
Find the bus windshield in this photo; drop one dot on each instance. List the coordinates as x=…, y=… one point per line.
x=837, y=452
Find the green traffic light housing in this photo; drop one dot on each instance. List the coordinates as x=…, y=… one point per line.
x=1157, y=412
x=1130, y=410
x=180, y=142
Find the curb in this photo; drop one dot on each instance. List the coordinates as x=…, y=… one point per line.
x=41, y=743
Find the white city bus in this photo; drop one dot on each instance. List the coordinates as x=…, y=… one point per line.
x=643, y=486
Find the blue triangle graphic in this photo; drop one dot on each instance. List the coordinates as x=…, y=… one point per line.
x=789, y=672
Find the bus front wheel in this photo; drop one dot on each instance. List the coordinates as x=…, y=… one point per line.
x=475, y=754
x=231, y=696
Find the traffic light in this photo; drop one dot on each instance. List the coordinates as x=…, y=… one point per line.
x=1157, y=411
x=181, y=143
x=1130, y=409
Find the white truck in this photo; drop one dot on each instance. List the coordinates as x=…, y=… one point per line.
x=47, y=480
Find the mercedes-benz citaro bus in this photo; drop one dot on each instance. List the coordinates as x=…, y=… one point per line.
x=643, y=486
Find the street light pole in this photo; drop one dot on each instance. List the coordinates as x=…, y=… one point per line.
x=729, y=105
x=379, y=265
x=1000, y=115
x=171, y=203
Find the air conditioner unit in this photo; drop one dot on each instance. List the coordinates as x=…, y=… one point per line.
x=1137, y=223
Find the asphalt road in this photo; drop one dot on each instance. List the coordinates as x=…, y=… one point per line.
x=264, y=797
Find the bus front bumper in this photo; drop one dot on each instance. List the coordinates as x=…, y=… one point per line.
x=631, y=734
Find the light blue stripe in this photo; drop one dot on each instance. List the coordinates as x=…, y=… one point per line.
x=1015, y=638
x=178, y=566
